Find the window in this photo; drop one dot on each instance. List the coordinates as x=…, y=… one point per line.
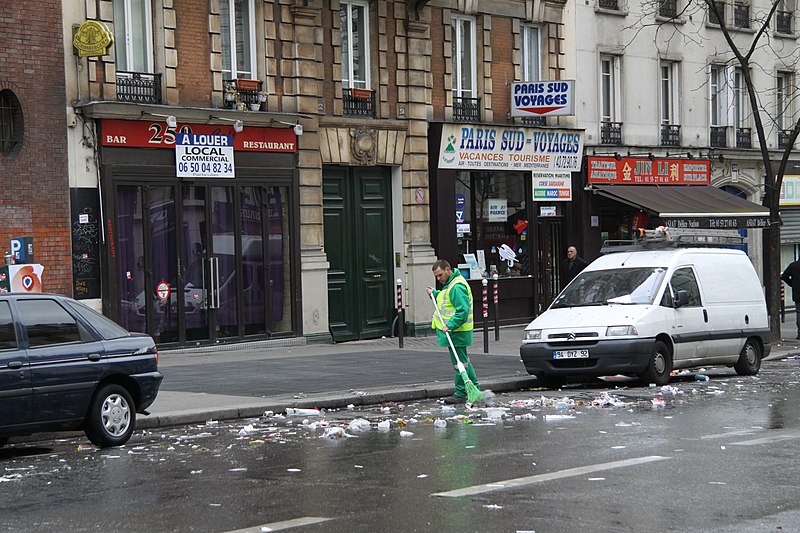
x=133, y=37
x=531, y=53
x=782, y=95
x=47, y=323
x=105, y=327
x=355, y=45
x=783, y=17
x=670, y=128
x=683, y=279
x=237, y=27
x=610, y=124
x=716, y=95
x=741, y=16
x=741, y=111
x=464, y=60
x=8, y=337
x=11, y=124
x=668, y=8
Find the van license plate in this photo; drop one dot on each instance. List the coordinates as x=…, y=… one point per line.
x=570, y=354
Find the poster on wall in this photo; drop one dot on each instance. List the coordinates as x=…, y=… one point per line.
x=495, y=209
x=85, y=229
x=790, y=191
x=552, y=187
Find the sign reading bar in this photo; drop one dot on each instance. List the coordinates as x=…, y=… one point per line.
x=499, y=148
x=552, y=187
x=204, y=156
x=138, y=134
x=643, y=171
x=542, y=98
x=716, y=222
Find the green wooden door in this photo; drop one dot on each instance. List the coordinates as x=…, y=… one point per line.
x=358, y=236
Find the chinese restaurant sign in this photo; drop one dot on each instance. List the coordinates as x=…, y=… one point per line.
x=643, y=171
x=139, y=134
x=472, y=147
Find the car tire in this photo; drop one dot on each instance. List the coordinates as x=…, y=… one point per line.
x=550, y=382
x=111, y=418
x=749, y=362
x=659, y=366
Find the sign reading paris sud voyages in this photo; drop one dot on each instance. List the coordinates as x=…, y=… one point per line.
x=200, y=155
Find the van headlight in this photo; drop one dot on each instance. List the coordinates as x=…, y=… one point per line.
x=621, y=331
x=532, y=335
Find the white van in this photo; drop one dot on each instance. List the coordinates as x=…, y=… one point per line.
x=645, y=313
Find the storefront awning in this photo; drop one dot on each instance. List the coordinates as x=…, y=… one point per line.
x=690, y=206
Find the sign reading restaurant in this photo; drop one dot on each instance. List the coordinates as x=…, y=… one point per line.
x=645, y=171
x=473, y=147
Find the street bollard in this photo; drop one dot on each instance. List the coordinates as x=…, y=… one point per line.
x=485, y=301
x=400, y=320
x=496, y=310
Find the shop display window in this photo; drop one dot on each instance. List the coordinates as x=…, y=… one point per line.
x=492, y=222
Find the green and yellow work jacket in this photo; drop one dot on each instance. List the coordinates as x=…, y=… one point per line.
x=454, y=301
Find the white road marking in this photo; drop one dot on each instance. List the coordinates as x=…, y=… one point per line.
x=766, y=440
x=530, y=480
x=286, y=524
x=737, y=433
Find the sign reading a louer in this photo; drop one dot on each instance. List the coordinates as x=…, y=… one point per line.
x=200, y=155
x=542, y=98
x=466, y=147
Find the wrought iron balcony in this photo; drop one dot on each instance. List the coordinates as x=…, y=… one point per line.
x=534, y=121
x=668, y=8
x=670, y=135
x=608, y=4
x=242, y=94
x=741, y=16
x=138, y=87
x=466, y=109
x=358, y=102
x=712, y=17
x=611, y=133
x=783, y=138
x=783, y=22
x=744, y=138
x=719, y=136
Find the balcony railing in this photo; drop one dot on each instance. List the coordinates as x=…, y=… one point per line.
x=608, y=4
x=741, y=16
x=668, y=8
x=611, y=133
x=242, y=94
x=358, y=102
x=744, y=138
x=719, y=136
x=534, y=121
x=670, y=135
x=783, y=22
x=466, y=109
x=138, y=87
x=783, y=139
x=712, y=17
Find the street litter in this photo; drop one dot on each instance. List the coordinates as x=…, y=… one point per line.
x=606, y=400
x=658, y=402
x=358, y=425
x=493, y=506
x=406, y=434
x=526, y=416
x=496, y=413
x=553, y=418
x=247, y=430
x=293, y=411
x=335, y=432
x=293, y=470
x=212, y=422
x=701, y=377
x=422, y=476
x=668, y=390
x=384, y=425
x=439, y=423
x=10, y=477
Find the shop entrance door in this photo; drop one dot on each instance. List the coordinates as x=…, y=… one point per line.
x=358, y=237
x=194, y=263
x=551, y=251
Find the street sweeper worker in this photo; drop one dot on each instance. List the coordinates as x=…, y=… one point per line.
x=454, y=302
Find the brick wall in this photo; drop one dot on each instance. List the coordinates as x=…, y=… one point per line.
x=193, y=42
x=35, y=184
x=502, y=66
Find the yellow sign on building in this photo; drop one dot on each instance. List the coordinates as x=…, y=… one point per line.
x=92, y=39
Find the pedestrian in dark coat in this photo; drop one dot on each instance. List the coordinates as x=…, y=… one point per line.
x=791, y=276
x=571, y=266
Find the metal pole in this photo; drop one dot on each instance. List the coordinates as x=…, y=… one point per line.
x=400, y=321
x=496, y=310
x=485, y=301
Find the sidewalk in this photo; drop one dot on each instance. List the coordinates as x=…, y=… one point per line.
x=245, y=380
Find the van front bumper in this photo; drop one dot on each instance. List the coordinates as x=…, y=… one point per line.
x=606, y=358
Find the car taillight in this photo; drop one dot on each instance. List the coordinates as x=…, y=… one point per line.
x=156, y=351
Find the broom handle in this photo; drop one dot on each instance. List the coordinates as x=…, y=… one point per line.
x=459, y=364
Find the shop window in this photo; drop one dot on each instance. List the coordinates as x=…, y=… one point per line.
x=237, y=27
x=11, y=124
x=492, y=221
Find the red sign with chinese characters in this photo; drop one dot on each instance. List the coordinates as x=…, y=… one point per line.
x=139, y=134
x=644, y=171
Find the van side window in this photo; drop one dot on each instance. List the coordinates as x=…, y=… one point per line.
x=47, y=323
x=683, y=280
x=8, y=337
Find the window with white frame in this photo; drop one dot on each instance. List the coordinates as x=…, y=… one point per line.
x=133, y=35
x=716, y=96
x=464, y=57
x=668, y=92
x=783, y=114
x=531, y=53
x=609, y=88
x=741, y=113
x=354, y=17
x=237, y=30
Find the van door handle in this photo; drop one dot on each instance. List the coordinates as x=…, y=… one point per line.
x=13, y=365
x=705, y=315
x=93, y=357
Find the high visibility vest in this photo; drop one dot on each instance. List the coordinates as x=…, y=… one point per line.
x=447, y=310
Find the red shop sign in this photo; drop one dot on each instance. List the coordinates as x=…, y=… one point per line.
x=139, y=134
x=645, y=171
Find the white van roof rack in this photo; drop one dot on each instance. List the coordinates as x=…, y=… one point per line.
x=664, y=237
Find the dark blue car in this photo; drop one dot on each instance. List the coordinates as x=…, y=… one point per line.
x=64, y=366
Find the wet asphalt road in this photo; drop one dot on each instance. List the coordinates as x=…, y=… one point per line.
x=715, y=456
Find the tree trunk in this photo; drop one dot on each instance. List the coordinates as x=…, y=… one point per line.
x=772, y=275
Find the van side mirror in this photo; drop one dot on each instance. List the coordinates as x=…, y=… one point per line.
x=681, y=299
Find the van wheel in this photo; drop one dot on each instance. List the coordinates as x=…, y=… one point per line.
x=659, y=367
x=749, y=362
x=551, y=382
x=111, y=417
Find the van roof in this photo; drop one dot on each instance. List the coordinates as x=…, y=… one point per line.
x=656, y=258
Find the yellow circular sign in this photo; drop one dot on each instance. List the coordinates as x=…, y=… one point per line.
x=92, y=39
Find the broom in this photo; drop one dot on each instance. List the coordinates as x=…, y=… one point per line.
x=474, y=394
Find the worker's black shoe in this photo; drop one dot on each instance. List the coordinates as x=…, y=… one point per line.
x=455, y=400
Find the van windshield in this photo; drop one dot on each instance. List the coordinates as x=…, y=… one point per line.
x=629, y=286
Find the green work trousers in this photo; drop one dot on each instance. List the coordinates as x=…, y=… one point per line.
x=459, y=381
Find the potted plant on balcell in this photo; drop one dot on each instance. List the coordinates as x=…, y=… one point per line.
x=246, y=85
x=230, y=93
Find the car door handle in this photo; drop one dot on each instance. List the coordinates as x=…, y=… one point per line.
x=94, y=356
x=13, y=365
x=705, y=315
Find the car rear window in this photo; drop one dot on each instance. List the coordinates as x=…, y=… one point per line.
x=47, y=323
x=104, y=326
x=8, y=337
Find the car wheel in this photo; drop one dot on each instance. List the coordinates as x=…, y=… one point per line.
x=551, y=382
x=111, y=417
x=659, y=367
x=749, y=362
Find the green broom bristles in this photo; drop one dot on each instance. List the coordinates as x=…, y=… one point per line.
x=474, y=394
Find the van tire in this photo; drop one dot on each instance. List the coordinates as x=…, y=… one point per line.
x=749, y=362
x=111, y=418
x=550, y=382
x=659, y=367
